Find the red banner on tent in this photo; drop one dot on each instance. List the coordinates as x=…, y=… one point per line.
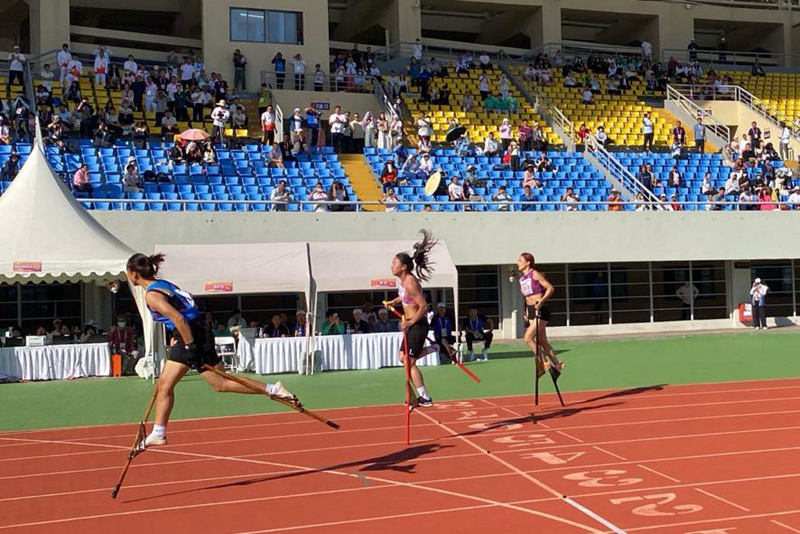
x=27, y=266
x=218, y=287
x=383, y=282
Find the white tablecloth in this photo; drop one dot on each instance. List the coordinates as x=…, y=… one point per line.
x=56, y=362
x=360, y=351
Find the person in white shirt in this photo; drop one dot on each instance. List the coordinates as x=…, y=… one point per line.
x=502, y=196
x=486, y=63
x=47, y=76
x=490, y=146
x=187, y=72
x=220, y=117
x=268, y=126
x=299, y=72
x=338, y=124
x=786, y=135
x=74, y=71
x=16, y=67
x=150, y=91
x=647, y=132
x=424, y=127
x=390, y=200
x=417, y=51
x=571, y=199
x=758, y=294
x=425, y=165
x=601, y=136
x=794, y=198
x=687, y=293
x=100, y=66
x=647, y=50
x=130, y=65
x=588, y=97
x=455, y=192
x=63, y=59
x=319, y=78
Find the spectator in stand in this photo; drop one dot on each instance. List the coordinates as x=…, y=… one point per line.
x=239, y=77
x=700, y=136
x=692, y=48
x=11, y=168
x=529, y=177
x=275, y=157
x=675, y=178
x=490, y=147
x=502, y=196
x=571, y=199
x=717, y=199
x=101, y=64
x=268, y=126
x=794, y=198
x=754, y=134
x=647, y=50
x=236, y=320
x=299, y=72
x=455, y=192
x=197, y=100
x=169, y=126
x=390, y=200
x=757, y=69
x=478, y=328
x=280, y=69
x=16, y=67
x=220, y=117
x=525, y=134
x=384, y=324
x=62, y=59
x=587, y=97
x=319, y=195
x=5, y=130
x=679, y=134
x=443, y=328
x=602, y=137
x=332, y=325
x=338, y=123
x=424, y=127
x=312, y=123
x=130, y=180
x=47, y=76
x=80, y=180
x=368, y=127
x=384, y=137
x=645, y=177
x=614, y=201
x=648, y=132
x=389, y=175
x=505, y=133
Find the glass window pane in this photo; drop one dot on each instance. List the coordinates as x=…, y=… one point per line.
x=238, y=24
x=667, y=278
x=255, y=26
x=588, y=294
x=285, y=27
x=478, y=287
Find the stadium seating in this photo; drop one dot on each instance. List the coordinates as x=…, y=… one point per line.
x=779, y=89
x=572, y=170
x=478, y=122
x=240, y=175
x=620, y=115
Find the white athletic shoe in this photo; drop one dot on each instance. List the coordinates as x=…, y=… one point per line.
x=485, y=355
x=284, y=393
x=154, y=441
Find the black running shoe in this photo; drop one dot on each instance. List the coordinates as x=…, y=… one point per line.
x=425, y=402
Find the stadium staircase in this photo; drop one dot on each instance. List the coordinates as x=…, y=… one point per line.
x=362, y=179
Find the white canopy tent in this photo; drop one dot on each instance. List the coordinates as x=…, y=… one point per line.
x=365, y=266
x=48, y=236
x=219, y=269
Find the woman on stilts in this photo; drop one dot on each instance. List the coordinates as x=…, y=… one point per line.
x=192, y=342
x=537, y=290
x=410, y=270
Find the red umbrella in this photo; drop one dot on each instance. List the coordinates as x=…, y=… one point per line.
x=193, y=134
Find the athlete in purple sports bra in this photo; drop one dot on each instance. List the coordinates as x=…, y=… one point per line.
x=410, y=270
x=537, y=290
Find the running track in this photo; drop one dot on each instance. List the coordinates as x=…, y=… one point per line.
x=700, y=459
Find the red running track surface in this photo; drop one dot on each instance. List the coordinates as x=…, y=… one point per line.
x=700, y=459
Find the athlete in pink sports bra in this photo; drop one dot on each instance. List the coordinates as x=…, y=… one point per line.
x=537, y=290
x=410, y=270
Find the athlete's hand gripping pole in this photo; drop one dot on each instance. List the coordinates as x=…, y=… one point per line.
x=138, y=443
x=296, y=406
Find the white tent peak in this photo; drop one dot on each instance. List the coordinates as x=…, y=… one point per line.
x=48, y=235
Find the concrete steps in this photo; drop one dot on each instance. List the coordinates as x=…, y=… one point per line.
x=362, y=179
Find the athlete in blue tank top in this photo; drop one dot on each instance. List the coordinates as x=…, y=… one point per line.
x=192, y=343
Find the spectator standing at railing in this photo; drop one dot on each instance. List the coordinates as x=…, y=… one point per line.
x=338, y=123
x=678, y=134
x=754, y=133
x=722, y=49
x=416, y=52
x=62, y=59
x=757, y=69
x=268, y=126
x=699, y=136
x=280, y=69
x=648, y=132
x=367, y=125
x=239, y=77
x=692, y=48
x=16, y=67
x=786, y=136
x=645, y=177
x=794, y=198
x=647, y=50
x=299, y=66
x=219, y=117
x=319, y=78
x=101, y=63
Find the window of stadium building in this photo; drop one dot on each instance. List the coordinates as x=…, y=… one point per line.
x=478, y=287
x=639, y=292
x=33, y=305
x=260, y=26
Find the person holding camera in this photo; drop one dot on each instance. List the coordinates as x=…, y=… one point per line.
x=758, y=294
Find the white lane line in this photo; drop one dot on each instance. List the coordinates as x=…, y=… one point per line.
x=720, y=499
x=610, y=453
x=787, y=527
x=659, y=473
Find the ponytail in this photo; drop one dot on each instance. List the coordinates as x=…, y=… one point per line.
x=419, y=263
x=145, y=266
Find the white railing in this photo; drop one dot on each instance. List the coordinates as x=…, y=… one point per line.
x=712, y=125
x=619, y=171
x=741, y=95
x=729, y=57
x=571, y=49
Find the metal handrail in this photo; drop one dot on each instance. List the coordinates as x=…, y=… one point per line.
x=741, y=95
x=713, y=125
x=331, y=82
x=571, y=49
x=728, y=57
x=618, y=170
x=513, y=205
x=555, y=113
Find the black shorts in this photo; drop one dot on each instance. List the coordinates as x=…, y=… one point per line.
x=206, y=352
x=544, y=313
x=415, y=337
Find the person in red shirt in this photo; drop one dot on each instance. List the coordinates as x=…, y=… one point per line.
x=122, y=337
